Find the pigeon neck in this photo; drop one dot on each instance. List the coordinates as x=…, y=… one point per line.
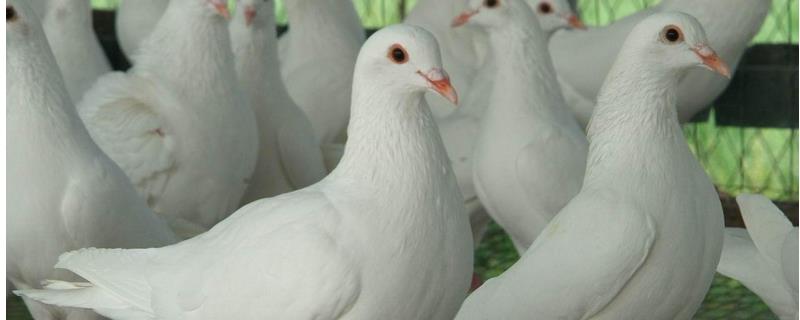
x=446, y=9
x=525, y=83
x=35, y=82
x=635, y=124
x=70, y=14
x=324, y=25
x=392, y=137
x=191, y=51
x=256, y=51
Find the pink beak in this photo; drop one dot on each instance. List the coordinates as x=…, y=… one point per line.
x=575, y=22
x=249, y=15
x=463, y=18
x=222, y=8
x=711, y=60
x=440, y=83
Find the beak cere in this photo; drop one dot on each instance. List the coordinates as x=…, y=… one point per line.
x=249, y=15
x=575, y=22
x=463, y=18
x=440, y=82
x=712, y=61
x=222, y=8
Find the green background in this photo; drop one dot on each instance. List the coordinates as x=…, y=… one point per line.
x=755, y=160
x=738, y=159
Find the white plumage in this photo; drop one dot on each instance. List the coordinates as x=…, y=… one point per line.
x=317, y=62
x=530, y=154
x=135, y=20
x=642, y=238
x=583, y=58
x=460, y=129
x=289, y=157
x=384, y=236
x=178, y=123
x=69, y=30
x=64, y=193
x=461, y=53
x=763, y=257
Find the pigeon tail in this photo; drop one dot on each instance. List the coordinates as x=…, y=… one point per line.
x=83, y=295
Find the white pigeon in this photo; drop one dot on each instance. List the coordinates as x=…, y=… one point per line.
x=553, y=15
x=317, y=66
x=460, y=52
x=530, y=154
x=64, y=193
x=177, y=123
x=289, y=156
x=460, y=129
x=464, y=50
x=764, y=257
x=384, y=236
x=68, y=26
x=135, y=20
x=39, y=7
x=583, y=58
x=643, y=237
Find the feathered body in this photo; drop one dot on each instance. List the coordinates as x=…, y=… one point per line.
x=69, y=30
x=764, y=256
x=135, y=20
x=67, y=194
x=530, y=155
x=317, y=67
x=289, y=156
x=177, y=122
x=647, y=221
x=383, y=236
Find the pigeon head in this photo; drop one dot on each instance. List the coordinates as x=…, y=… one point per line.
x=491, y=14
x=673, y=40
x=60, y=10
x=405, y=58
x=484, y=13
x=211, y=7
x=21, y=22
x=255, y=11
x=555, y=15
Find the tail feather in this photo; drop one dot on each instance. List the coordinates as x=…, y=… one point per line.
x=119, y=272
x=83, y=295
x=766, y=225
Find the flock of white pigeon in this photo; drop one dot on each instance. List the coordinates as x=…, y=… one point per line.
x=230, y=174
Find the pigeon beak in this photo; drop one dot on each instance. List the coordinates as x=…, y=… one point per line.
x=575, y=22
x=439, y=81
x=222, y=8
x=463, y=18
x=249, y=15
x=711, y=60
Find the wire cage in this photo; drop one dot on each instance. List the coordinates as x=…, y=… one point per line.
x=747, y=141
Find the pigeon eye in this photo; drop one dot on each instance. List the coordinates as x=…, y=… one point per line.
x=11, y=14
x=545, y=8
x=491, y=3
x=398, y=54
x=671, y=34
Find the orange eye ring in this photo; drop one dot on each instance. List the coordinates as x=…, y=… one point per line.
x=397, y=54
